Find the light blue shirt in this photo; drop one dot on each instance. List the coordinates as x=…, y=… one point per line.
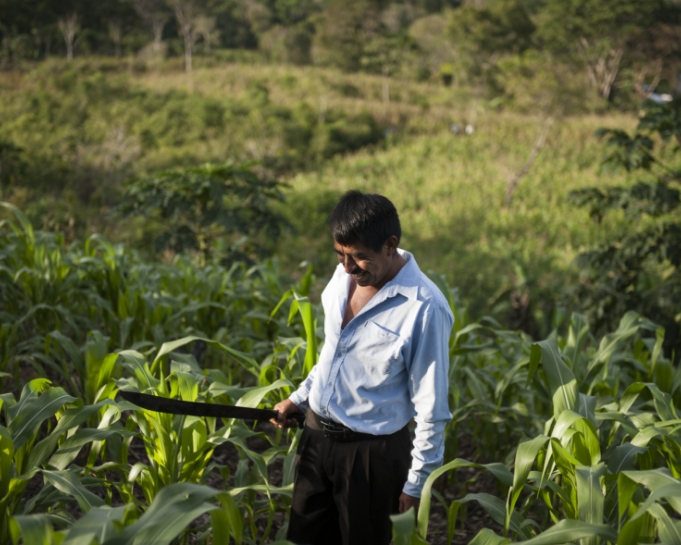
x=389, y=365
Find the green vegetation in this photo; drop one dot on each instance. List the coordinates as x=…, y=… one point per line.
x=179, y=162
x=596, y=435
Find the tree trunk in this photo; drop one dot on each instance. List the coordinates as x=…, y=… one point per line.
x=188, y=44
x=115, y=31
x=69, y=28
x=157, y=24
x=604, y=70
x=186, y=13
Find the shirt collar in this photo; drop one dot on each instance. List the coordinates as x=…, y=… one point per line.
x=406, y=281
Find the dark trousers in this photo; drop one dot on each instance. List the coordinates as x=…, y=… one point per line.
x=344, y=493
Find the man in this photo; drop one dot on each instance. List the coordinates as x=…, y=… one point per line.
x=384, y=362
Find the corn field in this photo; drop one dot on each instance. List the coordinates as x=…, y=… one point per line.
x=586, y=430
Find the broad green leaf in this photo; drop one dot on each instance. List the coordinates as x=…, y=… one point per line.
x=496, y=509
x=590, y=497
x=628, y=326
x=669, y=530
x=637, y=531
x=173, y=509
x=72, y=446
x=71, y=418
x=31, y=415
x=571, y=530
x=6, y=457
x=498, y=470
x=668, y=492
x=227, y=520
x=96, y=524
x=68, y=483
x=623, y=457
x=253, y=397
x=404, y=525
x=562, y=382
x=488, y=537
x=577, y=337
x=32, y=529
x=524, y=460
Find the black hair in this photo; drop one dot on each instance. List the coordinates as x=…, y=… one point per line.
x=366, y=218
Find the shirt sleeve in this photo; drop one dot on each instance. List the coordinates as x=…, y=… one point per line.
x=428, y=383
x=301, y=396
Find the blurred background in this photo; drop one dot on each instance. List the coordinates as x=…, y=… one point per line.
x=530, y=146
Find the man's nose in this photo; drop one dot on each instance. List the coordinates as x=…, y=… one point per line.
x=349, y=264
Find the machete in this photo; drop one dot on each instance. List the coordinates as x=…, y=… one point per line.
x=191, y=408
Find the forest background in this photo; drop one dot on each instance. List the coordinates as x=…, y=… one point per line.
x=476, y=118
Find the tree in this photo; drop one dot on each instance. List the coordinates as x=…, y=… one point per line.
x=186, y=12
x=153, y=13
x=482, y=35
x=69, y=27
x=204, y=27
x=116, y=31
x=598, y=32
x=344, y=31
x=203, y=206
x=641, y=268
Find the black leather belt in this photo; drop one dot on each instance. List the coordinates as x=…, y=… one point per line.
x=337, y=431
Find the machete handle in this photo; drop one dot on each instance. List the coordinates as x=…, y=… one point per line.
x=299, y=417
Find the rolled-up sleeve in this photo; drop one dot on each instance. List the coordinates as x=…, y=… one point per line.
x=301, y=396
x=428, y=382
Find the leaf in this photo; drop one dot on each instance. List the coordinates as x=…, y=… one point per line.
x=623, y=457
x=32, y=529
x=577, y=337
x=488, y=537
x=590, y=497
x=498, y=470
x=668, y=492
x=524, y=459
x=172, y=510
x=29, y=418
x=71, y=447
x=571, y=530
x=404, y=525
x=653, y=479
x=227, y=520
x=68, y=483
x=669, y=530
x=562, y=382
x=6, y=457
x=71, y=418
x=254, y=396
x=96, y=524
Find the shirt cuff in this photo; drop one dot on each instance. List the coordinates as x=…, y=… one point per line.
x=412, y=489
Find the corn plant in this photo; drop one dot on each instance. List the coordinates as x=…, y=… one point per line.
x=606, y=466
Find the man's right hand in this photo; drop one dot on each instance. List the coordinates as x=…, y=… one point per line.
x=284, y=420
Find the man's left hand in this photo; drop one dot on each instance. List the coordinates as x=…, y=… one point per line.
x=407, y=501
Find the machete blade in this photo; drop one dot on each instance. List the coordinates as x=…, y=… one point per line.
x=192, y=408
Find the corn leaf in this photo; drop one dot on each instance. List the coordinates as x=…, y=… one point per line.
x=571, y=530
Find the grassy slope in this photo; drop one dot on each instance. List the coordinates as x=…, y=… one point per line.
x=450, y=193
x=449, y=189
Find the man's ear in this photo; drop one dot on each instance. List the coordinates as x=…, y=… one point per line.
x=391, y=244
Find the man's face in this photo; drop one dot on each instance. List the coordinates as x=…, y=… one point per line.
x=367, y=267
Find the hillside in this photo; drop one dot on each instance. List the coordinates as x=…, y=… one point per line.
x=449, y=188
